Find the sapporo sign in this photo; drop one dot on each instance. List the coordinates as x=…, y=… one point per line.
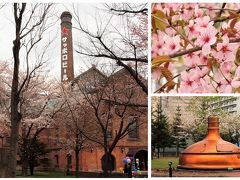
x=65, y=32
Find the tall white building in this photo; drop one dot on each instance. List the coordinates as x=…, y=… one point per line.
x=229, y=104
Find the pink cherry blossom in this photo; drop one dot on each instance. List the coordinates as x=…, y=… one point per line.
x=198, y=11
x=205, y=85
x=170, y=31
x=203, y=22
x=225, y=50
x=220, y=82
x=204, y=52
x=226, y=67
x=191, y=80
x=172, y=43
x=203, y=60
x=210, y=9
x=171, y=7
x=188, y=11
x=191, y=59
x=233, y=84
x=191, y=30
x=157, y=44
x=206, y=39
x=188, y=83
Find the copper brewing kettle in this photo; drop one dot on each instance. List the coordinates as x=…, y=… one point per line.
x=212, y=153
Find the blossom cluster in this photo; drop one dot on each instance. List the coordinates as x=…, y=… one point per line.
x=204, y=41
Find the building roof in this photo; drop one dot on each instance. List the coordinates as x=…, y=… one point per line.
x=94, y=68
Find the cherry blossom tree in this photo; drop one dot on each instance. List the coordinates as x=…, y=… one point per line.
x=79, y=120
x=35, y=106
x=195, y=47
x=38, y=113
x=230, y=127
x=5, y=78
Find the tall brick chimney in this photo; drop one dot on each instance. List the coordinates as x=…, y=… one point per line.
x=67, y=73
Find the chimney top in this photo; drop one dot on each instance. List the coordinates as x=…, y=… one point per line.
x=66, y=18
x=66, y=14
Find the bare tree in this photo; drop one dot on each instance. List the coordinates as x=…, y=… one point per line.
x=30, y=24
x=111, y=100
x=124, y=42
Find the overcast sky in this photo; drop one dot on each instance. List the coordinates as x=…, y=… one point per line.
x=87, y=12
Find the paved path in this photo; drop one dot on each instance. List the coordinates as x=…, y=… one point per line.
x=191, y=173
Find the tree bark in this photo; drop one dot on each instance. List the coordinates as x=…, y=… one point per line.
x=24, y=166
x=77, y=162
x=31, y=166
x=24, y=157
x=15, y=116
x=12, y=163
x=177, y=147
x=107, y=164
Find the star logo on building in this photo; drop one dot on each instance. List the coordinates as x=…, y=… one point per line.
x=65, y=31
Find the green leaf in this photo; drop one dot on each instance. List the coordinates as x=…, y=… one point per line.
x=160, y=20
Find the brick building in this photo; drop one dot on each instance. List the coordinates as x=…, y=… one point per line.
x=134, y=144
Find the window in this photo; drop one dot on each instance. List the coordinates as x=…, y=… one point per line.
x=56, y=160
x=133, y=128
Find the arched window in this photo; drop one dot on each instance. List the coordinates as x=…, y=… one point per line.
x=141, y=160
x=133, y=128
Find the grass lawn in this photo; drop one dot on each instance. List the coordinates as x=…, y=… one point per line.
x=162, y=162
x=38, y=174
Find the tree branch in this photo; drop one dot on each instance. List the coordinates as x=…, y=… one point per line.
x=124, y=11
x=198, y=48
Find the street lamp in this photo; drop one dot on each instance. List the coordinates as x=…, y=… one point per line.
x=170, y=168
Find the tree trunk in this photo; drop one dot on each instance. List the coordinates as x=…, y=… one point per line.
x=77, y=162
x=24, y=166
x=15, y=116
x=177, y=148
x=4, y=152
x=107, y=164
x=158, y=152
x=24, y=157
x=12, y=162
x=31, y=166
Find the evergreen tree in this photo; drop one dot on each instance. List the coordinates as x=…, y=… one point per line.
x=161, y=137
x=34, y=150
x=178, y=134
